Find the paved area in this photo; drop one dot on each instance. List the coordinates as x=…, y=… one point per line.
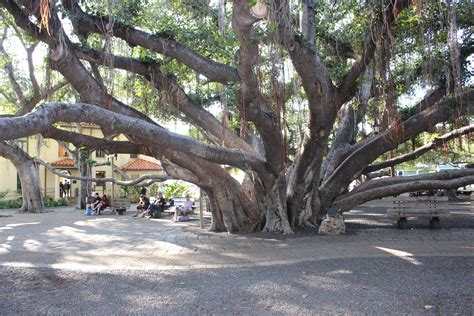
x=64, y=262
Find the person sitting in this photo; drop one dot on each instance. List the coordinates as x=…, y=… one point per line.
x=104, y=203
x=181, y=212
x=96, y=203
x=142, y=208
x=157, y=207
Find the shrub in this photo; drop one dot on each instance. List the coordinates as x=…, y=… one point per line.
x=153, y=189
x=130, y=192
x=3, y=193
x=11, y=204
x=61, y=202
x=175, y=189
x=48, y=202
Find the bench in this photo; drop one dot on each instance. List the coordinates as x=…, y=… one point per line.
x=425, y=206
x=120, y=205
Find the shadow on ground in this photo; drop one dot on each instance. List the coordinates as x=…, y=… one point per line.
x=345, y=286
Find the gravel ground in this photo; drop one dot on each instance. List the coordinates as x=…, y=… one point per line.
x=437, y=281
x=357, y=286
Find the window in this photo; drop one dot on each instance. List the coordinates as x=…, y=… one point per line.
x=133, y=156
x=100, y=175
x=99, y=154
x=62, y=151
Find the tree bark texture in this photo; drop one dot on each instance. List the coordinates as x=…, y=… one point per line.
x=29, y=177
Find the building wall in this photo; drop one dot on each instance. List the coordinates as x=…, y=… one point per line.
x=8, y=177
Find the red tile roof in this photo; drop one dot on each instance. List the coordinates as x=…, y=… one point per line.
x=141, y=164
x=65, y=163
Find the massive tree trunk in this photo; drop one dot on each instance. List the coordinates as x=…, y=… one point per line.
x=29, y=178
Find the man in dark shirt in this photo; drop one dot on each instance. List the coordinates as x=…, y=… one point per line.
x=157, y=207
x=67, y=188
x=160, y=202
x=96, y=203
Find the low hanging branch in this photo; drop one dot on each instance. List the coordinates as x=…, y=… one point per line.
x=151, y=177
x=420, y=151
x=376, y=183
x=49, y=113
x=395, y=135
x=441, y=180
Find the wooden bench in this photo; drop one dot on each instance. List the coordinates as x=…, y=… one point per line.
x=425, y=206
x=120, y=205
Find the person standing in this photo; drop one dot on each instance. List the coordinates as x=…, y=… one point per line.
x=67, y=188
x=61, y=189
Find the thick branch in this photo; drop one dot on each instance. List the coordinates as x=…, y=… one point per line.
x=254, y=106
x=65, y=61
x=47, y=114
x=383, y=182
x=177, y=96
x=420, y=151
x=430, y=182
x=108, y=146
x=318, y=88
x=31, y=69
x=348, y=86
x=214, y=71
x=22, y=20
x=395, y=135
x=34, y=100
x=305, y=59
x=65, y=174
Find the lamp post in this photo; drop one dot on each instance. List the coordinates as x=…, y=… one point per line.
x=111, y=157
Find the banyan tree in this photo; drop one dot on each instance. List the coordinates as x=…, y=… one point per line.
x=302, y=96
